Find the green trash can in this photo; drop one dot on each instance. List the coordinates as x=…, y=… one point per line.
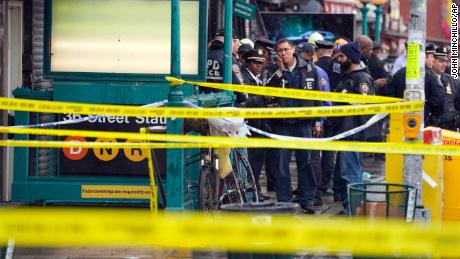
x=384, y=200
x=262, y=208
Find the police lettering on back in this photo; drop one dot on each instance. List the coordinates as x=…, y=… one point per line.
x=214, y=69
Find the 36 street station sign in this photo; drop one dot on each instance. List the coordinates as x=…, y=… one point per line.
x=108, y=161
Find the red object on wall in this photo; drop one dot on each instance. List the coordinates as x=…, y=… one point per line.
x=337, y=6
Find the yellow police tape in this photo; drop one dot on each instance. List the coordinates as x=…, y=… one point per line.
x=181, y=112
x=52, y=227
x=290, y=92
x=186, y=141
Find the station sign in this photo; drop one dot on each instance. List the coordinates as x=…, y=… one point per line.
x=243, y=9
x=108, y=161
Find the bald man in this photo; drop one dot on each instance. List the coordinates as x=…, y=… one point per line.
x=366, y=45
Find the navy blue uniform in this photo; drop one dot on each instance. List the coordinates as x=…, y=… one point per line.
x=301, y=77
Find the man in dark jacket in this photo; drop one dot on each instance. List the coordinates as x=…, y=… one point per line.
x=291, y=71
x=215, y=66
x=324, y=53
x=434, y=93
x=252, y=72
x=357, y=81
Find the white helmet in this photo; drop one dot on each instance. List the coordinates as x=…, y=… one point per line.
x=247, y=41
x=315, y=36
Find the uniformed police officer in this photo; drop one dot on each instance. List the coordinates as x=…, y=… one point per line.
x=215, y=67
x=324, y=51
x=267, y=46
x=292, y=71
x=449, y=115
x=306, y=50
x=434, y=93
x=357, y=81
x=252, y=75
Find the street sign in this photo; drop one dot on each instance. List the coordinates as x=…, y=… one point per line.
x=243, y=9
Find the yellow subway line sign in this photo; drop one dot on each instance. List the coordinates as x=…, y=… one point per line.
x=291, y=93
x=274, y=234
x=181, y=112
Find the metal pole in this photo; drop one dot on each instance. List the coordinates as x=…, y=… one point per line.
x=175, y=39
x=415, y=91
x=228, y=41
x=175, y=171
x=378, y=13
x=247, y=24
x=364, y=11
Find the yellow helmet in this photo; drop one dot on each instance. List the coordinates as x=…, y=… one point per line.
x=340, y=42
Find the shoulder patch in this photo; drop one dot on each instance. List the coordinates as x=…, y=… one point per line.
x=322, y=81
x=364, y=88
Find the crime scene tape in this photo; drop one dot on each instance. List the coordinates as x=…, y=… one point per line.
x=182, y=112
x=374, y=119
x=186, y=141
x=290, y=92
x=232, y=232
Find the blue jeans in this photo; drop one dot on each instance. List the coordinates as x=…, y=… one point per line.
x=348, y=167
x=305, y=176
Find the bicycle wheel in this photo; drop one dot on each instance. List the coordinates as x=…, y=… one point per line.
x=231, y=191
x=249, y=184
x=209, y=189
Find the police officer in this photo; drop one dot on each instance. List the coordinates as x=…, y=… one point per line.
x=267, y=46
x=324, y=53
x=449, y=115
x=215, y=66
x=324, y=50
x=306, y=50
x=292, y=71
x=252, y=73
x=434, y=93
x=357, y=81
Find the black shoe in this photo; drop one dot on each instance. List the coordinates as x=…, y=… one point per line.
x=295, y=191
x=308, y=209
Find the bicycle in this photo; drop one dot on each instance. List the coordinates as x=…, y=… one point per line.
x=236, y=187
x=239, y=186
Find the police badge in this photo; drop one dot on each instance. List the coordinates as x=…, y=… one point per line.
x=448, y=89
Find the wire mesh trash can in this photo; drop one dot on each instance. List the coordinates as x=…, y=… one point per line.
x=382, y=200
x=262, y=208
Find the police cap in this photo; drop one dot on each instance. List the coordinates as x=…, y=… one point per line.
x=441, y=53
x=305, y=47
x=255, y=55
x=430, y=48
x=264, y=43
x=324, y=44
